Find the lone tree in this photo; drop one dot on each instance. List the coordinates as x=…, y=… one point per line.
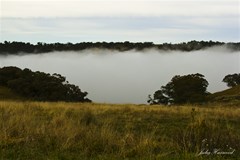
x=190, y=88
x=232, y=79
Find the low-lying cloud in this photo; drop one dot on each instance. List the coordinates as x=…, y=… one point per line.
x=128, y=77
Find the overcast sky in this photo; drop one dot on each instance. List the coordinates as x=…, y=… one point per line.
x=113, y=20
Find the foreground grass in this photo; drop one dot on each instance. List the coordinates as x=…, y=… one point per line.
x=34, y=130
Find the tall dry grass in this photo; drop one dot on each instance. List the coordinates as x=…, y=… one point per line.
x=34, y=130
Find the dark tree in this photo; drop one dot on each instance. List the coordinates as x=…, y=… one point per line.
x=182, y=89
x=232, y=79
x=40, y=86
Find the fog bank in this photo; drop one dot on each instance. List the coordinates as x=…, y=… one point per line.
x=128, y=77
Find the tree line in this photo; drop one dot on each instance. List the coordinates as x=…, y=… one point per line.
x=40, y=86
x=18, y=47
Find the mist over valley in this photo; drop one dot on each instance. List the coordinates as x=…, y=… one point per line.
x=111, y=76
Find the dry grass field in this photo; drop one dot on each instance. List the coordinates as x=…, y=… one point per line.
x=47, y=130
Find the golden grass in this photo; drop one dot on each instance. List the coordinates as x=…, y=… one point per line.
x=60, y=130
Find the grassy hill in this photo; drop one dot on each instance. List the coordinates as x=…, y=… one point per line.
x=231, y=95
x=7, y=94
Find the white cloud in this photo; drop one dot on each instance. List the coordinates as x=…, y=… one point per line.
x=74, y=8
x=114, y=20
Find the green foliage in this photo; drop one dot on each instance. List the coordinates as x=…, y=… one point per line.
x=40, y=86
x=232, y=79
x=182, y=89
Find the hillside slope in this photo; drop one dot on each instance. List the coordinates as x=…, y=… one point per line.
x=228, y=95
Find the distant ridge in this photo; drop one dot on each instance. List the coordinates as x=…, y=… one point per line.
x=40, y=47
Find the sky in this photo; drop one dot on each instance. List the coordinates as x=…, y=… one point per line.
x=155, y=21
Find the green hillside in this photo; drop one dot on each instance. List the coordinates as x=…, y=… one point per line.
x=7, y=94
x=228, y=95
